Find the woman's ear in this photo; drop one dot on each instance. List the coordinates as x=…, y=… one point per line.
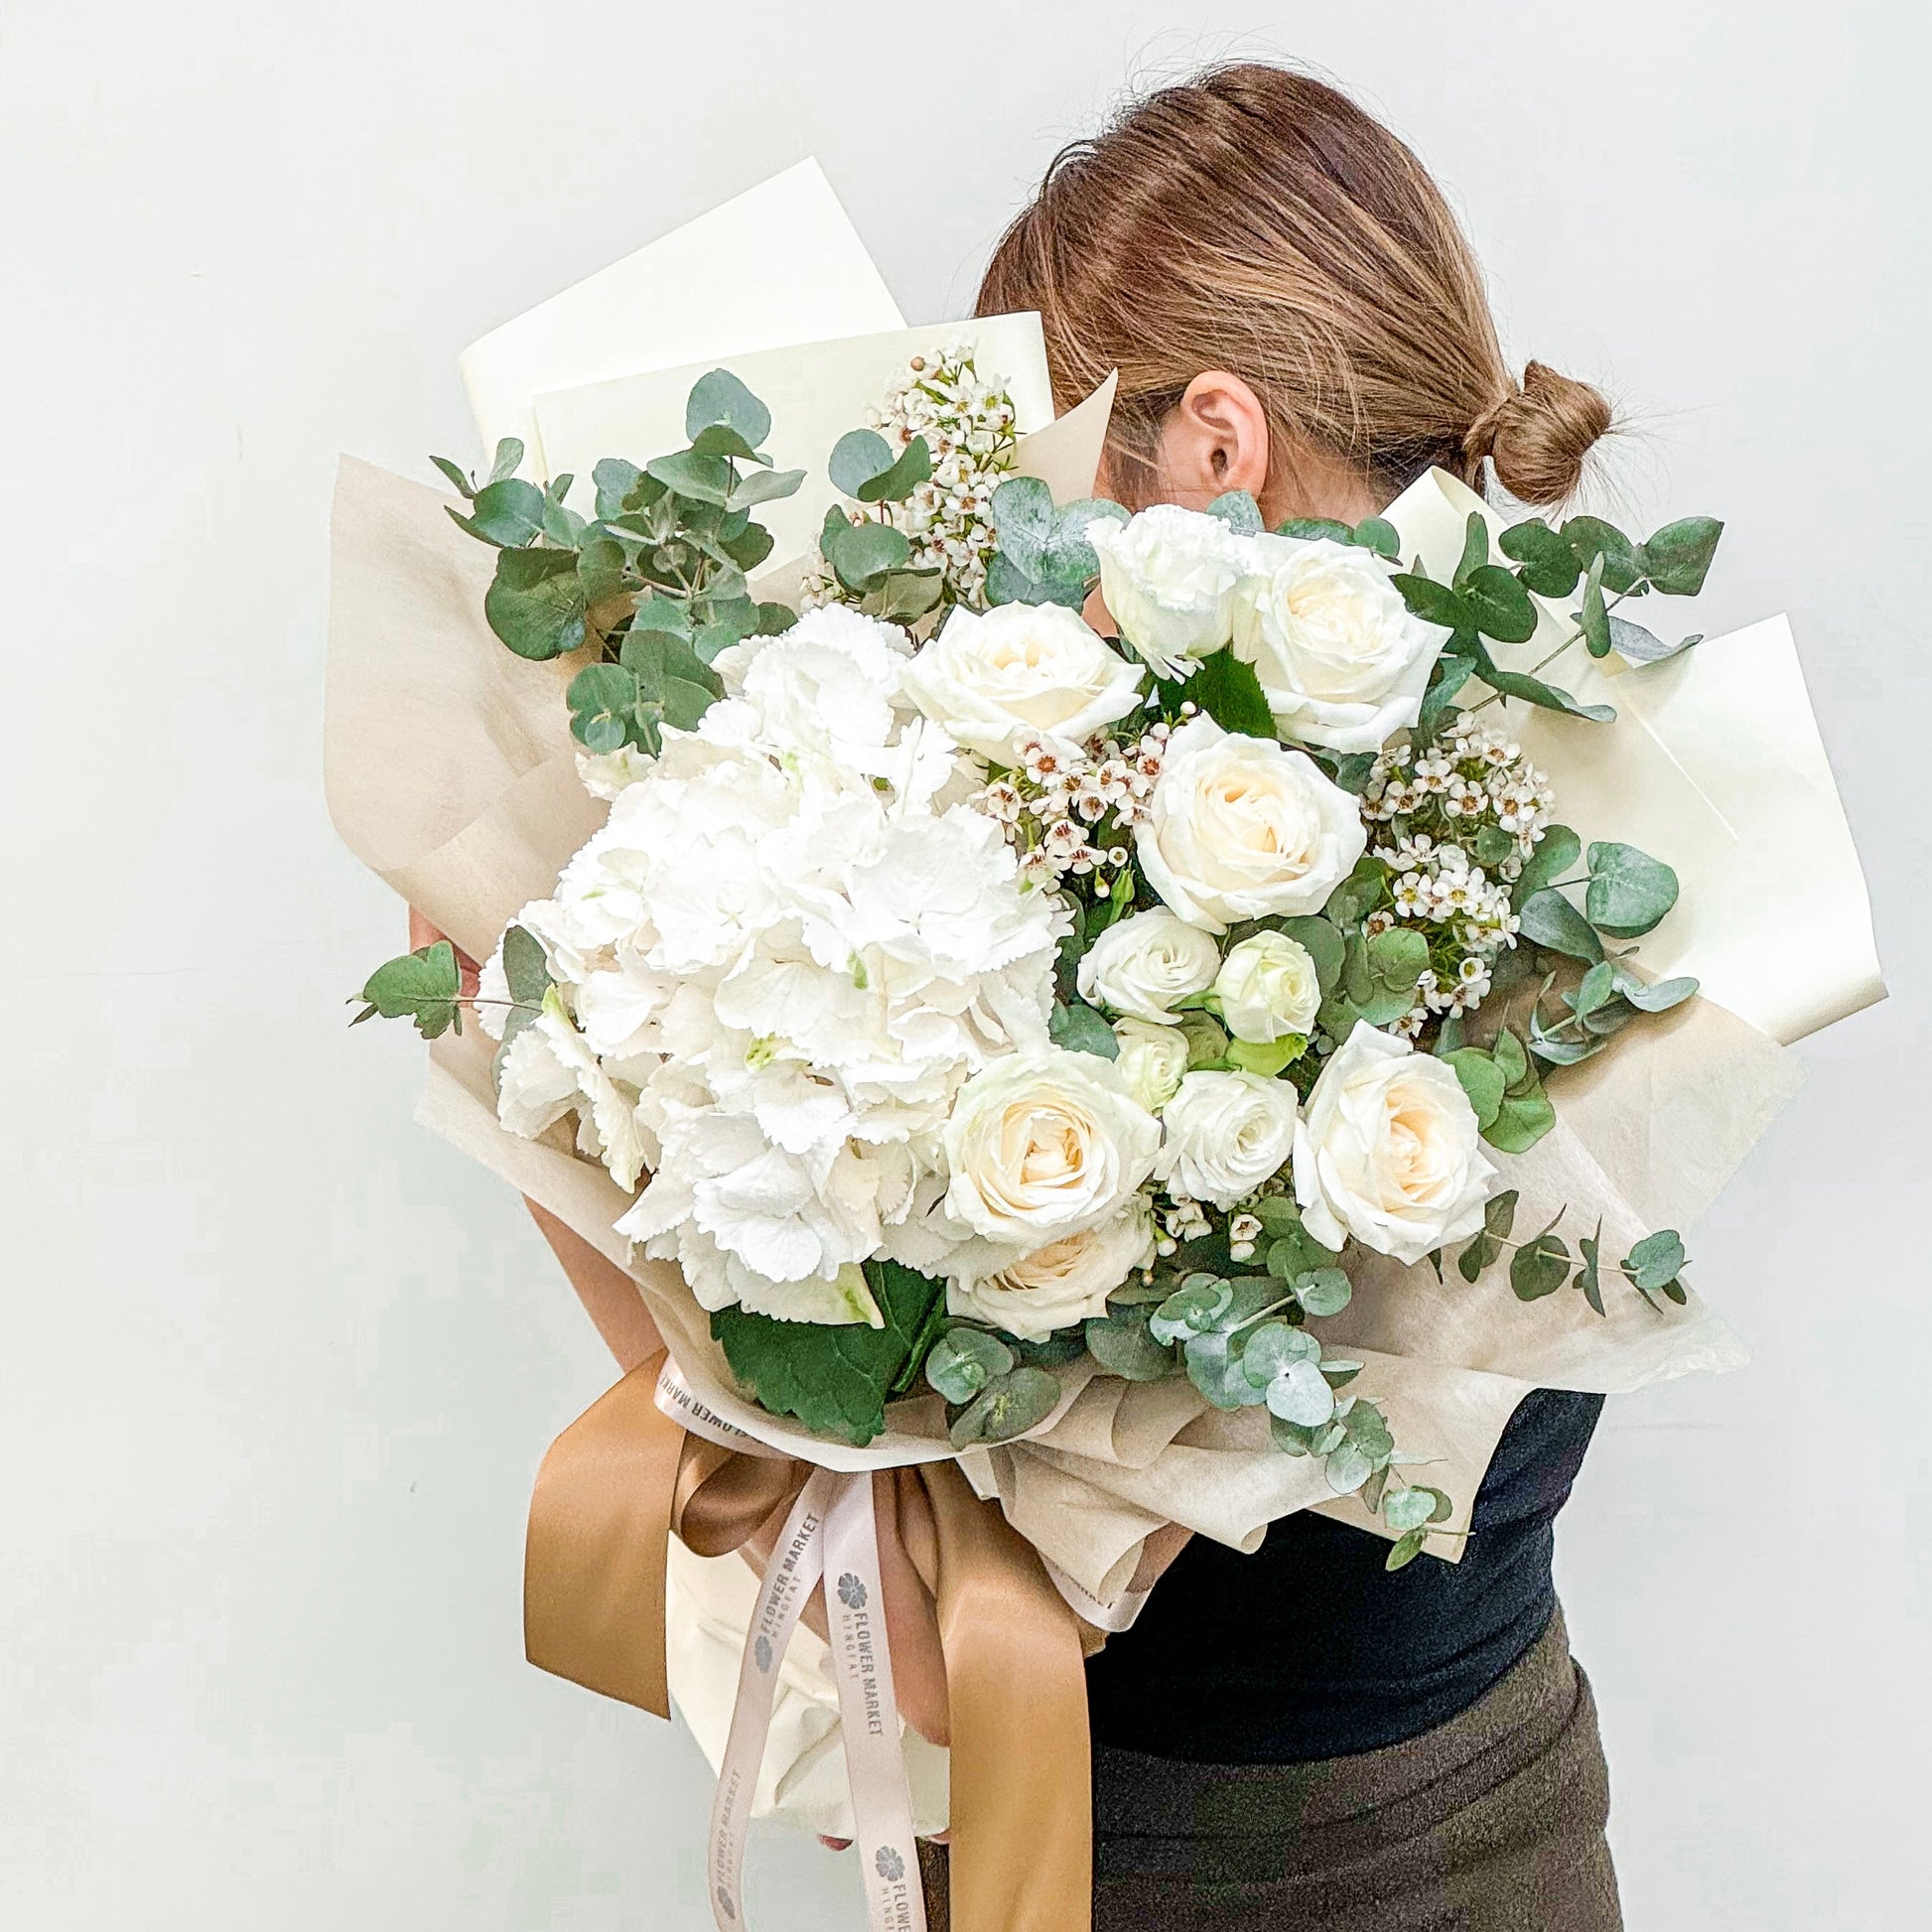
x=1216, y=440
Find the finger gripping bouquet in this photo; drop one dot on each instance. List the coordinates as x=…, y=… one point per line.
x=967, y=994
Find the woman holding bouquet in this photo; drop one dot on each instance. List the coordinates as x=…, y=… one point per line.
x=1296, y=1738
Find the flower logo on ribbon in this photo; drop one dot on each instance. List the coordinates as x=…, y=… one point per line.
x=852, y=1593
x=889, y=1865
x=761, y=1653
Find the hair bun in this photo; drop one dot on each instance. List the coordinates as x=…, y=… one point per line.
x=1538, y=435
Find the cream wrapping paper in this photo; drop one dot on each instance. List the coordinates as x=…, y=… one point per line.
x=778, y=264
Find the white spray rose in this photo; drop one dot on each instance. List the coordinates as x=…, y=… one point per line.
x=1146, y=963
x=1060, y=1284
x=1226, y=1133
x=1043, y=1142
x=1341, y=659
x=1169, y=577
x=1151, y=1060
x=1388, y=1151
x=1240, y=827
x=1267, y=987
x=993, y=678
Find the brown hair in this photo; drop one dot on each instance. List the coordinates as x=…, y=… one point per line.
x=1255, y=219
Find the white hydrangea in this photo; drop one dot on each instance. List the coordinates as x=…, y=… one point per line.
x=790, y=945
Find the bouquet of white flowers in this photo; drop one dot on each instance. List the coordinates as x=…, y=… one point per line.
x=1106, y=1056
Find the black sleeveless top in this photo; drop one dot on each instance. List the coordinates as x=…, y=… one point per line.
x=1310, y=1649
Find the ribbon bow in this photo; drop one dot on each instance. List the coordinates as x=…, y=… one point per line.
x=646, y=1461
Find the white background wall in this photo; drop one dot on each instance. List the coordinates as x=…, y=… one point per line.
x=277, y=1368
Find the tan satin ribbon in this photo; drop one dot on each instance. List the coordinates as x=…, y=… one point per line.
x=618, y=1481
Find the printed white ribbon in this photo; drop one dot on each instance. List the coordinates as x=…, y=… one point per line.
x=830, y=1541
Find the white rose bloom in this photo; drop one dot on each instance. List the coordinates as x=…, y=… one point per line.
x=1226, y=1133
x=1240, y=827
x=1148, y=962
x=1151, y=1060
x=1267, y=987
x=994, y=678
x=1341, y=659
x=1058, y=1285
x=1169, y=577
x=1388, y=1151
x=1044, y=1143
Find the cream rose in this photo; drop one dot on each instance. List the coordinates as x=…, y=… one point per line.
x=1240, y=827
x=1388, y=1151
x=1146, y=963
x=1168, y=578
x=1341, y=659
x=994, y=678
x=1267, y=987
x=1060, y=1284
x=1152, y=1058
x=1044, y=1143
x=1226, y=1133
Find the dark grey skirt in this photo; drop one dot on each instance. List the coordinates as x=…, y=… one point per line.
x=1492, y=1821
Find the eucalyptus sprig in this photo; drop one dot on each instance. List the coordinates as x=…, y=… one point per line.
x=654, y=583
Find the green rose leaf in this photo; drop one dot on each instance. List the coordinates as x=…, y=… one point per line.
x=833, y=1378
x=1629, y=892
x=1678, y=557
x=1230, y=693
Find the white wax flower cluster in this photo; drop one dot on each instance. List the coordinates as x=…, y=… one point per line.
x=1341, y=661
x=1473, y=791
x=970, y=428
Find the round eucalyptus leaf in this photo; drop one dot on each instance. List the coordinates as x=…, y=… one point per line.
x=1301, y=1393
x=964, y=1361
x=1191, y=1308
x=1347, y=1468
x=1629, y=890
x=1273, y=1349
x=1322, y=1290
x=1407, y=1510
x=1006, y=1407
